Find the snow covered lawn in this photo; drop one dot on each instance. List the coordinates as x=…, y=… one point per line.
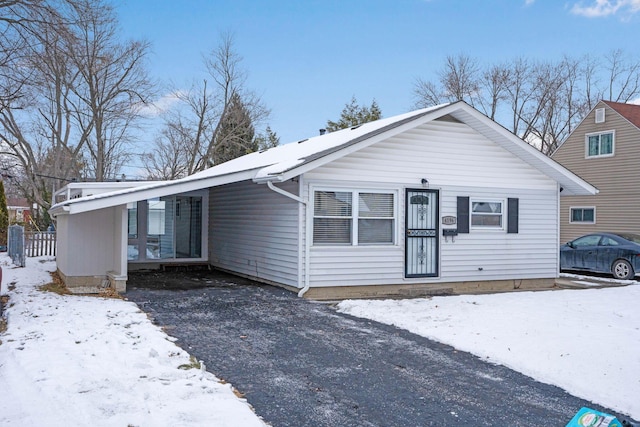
x=584, y=341
x=79, y=361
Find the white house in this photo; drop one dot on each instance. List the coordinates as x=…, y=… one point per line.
x=439, y=200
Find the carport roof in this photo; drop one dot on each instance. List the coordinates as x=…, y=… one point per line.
x=289, y=160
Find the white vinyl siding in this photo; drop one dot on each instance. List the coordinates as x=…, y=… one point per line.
x=487, y=255
x=459, y=162
x=254, y=231
x=89, y=241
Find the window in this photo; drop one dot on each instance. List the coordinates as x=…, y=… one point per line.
x=608, y=241
x=132, y=220
x=585, y=215
x=600, y=144
x=332, y=217
x=375, y=218
x=337, y=220
x=591, y=240
x=168, y=227
x=487, y=214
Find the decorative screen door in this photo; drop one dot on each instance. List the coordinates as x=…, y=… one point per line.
x=421, y=244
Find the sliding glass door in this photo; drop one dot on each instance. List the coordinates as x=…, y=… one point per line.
x=164, y=228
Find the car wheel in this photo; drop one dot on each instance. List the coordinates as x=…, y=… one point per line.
x=621, y=269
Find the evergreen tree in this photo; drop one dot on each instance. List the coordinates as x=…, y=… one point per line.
x=236, y=134
x=354, y=115
x=4, y=216
x=269, y=140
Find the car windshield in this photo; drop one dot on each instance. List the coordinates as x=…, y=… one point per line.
x=635, y=238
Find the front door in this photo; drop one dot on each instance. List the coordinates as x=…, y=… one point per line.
x=421, y=241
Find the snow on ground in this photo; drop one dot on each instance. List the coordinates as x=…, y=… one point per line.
x=78, y=361
x=584, y=341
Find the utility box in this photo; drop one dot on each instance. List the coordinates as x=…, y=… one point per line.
x=15, y=243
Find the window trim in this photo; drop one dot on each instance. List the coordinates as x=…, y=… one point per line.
x=600, y=133
x=572, y=208
x=503, y=214
x=355, y=216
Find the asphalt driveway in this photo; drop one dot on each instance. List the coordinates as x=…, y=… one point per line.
x=301, y=363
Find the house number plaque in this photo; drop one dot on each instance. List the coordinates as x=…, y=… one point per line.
x=449, y=220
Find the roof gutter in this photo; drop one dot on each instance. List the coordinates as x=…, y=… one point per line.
x=307, y=246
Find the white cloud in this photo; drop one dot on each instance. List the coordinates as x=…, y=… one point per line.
x=601, y=8
x=529, y=2
x=161, y=105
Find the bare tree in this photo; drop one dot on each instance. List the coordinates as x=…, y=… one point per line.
x=493, y=84
x=169, y=158
x=194, y=130
x=541, y=102
x=623, y=83
x=34, y=126
x=77, y=94
x=113, y=82
x=459, y=79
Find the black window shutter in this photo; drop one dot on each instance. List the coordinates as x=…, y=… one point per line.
x=463, y=215
x=512, y=218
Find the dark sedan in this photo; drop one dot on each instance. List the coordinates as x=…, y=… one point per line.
x=612, y=253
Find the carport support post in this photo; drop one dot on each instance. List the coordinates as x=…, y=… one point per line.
x=307, y=245
x=118, y=276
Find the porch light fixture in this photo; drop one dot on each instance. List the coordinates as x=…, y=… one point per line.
x=425, y=182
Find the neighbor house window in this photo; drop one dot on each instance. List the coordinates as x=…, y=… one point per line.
x=353, y=218
x=600, y=144
x=487, y=214
x=583, y=215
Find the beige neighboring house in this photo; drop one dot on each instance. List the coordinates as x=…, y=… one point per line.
x=604, y=150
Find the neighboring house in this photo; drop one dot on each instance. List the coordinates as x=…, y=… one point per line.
x=604, y=149
x=19, y=210
x=437, y=200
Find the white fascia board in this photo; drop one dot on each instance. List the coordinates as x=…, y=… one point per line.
x=106, y=200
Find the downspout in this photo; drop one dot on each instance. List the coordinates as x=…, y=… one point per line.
x=306, y=239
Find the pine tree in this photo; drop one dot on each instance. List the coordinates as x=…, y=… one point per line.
x=236, y=134
x=269, y=140
x=354, y=115
x=4, y=216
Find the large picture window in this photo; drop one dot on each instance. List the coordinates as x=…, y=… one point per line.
x=600, y=144
x=337, y=220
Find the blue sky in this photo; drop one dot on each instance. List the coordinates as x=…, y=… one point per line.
x=308, y=58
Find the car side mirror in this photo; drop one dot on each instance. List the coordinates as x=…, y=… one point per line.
x=570, y=244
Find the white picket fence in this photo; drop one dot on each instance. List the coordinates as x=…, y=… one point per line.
x=40, y=243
